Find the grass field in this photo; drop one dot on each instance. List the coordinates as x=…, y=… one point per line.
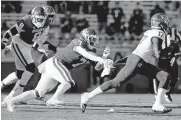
x=126, y=106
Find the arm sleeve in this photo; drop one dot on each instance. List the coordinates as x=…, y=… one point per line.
x=87, y=54
x=15, y=29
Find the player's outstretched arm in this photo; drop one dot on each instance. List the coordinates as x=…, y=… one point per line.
x=88, y=55
x=106, y=53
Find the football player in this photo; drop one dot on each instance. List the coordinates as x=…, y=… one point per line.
x=168, y=60
x=29, y=30
x=56, y=69
x=141, y=61
x=39, y=53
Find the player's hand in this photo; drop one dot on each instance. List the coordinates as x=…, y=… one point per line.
x=108, y=63
x=106, y=52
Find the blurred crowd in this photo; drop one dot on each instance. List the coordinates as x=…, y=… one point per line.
x=122, y=27
x=11, y=6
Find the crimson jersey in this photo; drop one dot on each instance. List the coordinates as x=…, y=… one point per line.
x=29, y=32
x=71, y=58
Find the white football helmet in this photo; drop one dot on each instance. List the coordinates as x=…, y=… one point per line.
x=38, y=17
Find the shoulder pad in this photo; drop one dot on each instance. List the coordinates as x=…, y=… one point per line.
x=26, y=22
x=155, y=33
x=79, y=42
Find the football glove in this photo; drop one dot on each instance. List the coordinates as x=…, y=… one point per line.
x=108, y=64
x=106, y=52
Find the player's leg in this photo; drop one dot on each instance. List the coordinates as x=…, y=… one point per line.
x=164, y=79
x=10, y=79
x=62, y=75
x=24, y=58
x=128, y=71
x=45, y=85
x=11, y=94
x=173, y=70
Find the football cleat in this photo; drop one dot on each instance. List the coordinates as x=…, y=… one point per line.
x=84, y=100
x=160, y=109
x=10, y=105
x=168, y=97
x=83, y=107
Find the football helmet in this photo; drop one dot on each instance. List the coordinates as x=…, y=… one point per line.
x=89, y=35
x=38, y=17
x=160, y=21
x=50, y=13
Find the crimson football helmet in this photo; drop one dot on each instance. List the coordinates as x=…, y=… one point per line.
x=50, y=13
x=38, y=17
x=89, y=35
x=160, y=21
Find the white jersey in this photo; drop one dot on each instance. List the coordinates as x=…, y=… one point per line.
x=145, y=47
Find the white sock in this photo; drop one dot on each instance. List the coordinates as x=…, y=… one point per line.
x=25, y=96
x=16, y=90
x=160, y=95
x=95, y=92
x=62, y=88
x=10, y=79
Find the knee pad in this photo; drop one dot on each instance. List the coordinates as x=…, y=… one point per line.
x=31, y=67
x=163, y=76
x=36, y=93
x=19, y=73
